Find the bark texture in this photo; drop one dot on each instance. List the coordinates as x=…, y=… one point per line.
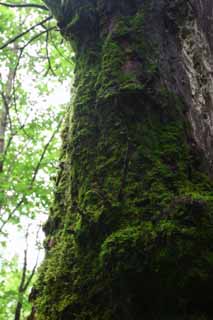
x=130, y=234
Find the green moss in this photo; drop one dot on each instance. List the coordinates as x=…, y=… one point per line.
x=140, y=212
x=131, y=227
x=127, y=58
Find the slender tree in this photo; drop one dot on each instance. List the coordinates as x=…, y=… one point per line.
x=26, y=278
x=130, y=233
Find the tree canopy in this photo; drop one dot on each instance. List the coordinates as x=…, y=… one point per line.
x=35, y=70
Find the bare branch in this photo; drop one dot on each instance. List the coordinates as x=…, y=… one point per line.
x=38, y=35
x=24, y=5
x=48, y=57
x=18, y=36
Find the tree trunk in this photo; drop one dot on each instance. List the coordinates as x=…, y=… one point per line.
x=18, y=310
x=130, y=233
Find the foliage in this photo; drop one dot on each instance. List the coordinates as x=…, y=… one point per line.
x=10, y=274
x=32, y=68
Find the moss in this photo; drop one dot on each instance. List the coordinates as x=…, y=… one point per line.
x=131, y=225
x=114, y=249
x=125, y=63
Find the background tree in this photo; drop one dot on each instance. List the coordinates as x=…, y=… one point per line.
x=29, y=139
x=129, y=234
x=9, y=280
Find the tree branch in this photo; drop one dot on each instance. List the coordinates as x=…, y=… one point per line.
x=48, y=57
x=24, y=5
x=25, y=32
x=44, y=152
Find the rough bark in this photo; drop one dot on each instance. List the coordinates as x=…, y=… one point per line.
x=130, y=233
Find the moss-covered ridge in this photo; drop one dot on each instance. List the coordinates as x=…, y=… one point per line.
x=129, y=235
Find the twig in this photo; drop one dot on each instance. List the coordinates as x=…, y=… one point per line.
x=12, y=213
x=27, y=43
x=44, y=152
x=60, y=53
x=37, y=36
x=16, y=69
x=48, y=57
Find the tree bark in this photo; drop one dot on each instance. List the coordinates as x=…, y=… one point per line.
x=18, y=311
x=130, y=234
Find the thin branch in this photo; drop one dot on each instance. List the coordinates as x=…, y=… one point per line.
x=18, y=36
x=23, y=199
x=24, y=281
x=44, y=152
x=37, y=36
x=5, y=99
x=60, y=53
x=26, y=5
x=28, y=42
x=27, y=283
x=12, y=213
x=23, y=271
x=48, y=56
x=16, y=69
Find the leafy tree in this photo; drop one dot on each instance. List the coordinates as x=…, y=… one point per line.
x=10, y=275
x=21, y=123
x=31, y=48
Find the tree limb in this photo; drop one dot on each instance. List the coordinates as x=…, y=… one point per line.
x=25, y=32
x=24, y=5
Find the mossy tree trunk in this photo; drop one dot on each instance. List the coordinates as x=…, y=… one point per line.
x=130, y=234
